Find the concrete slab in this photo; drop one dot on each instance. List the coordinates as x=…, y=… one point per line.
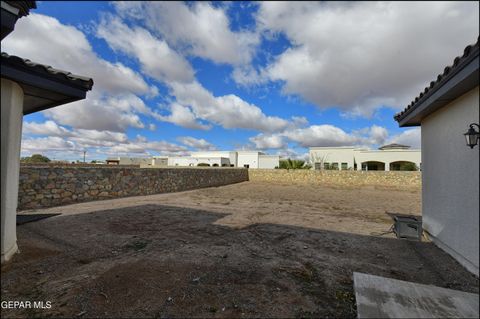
x=380, y=297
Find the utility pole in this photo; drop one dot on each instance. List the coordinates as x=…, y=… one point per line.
x=84, y=152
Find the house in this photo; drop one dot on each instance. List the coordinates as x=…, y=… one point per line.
x=247, y=159
x=392, y=157
x=129, y=161
x=450, y=172
x=27, y=87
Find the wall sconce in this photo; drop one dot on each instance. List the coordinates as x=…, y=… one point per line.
x=472, y=135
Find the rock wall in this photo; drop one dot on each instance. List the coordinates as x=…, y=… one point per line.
x=50, y=185
x=393, y=179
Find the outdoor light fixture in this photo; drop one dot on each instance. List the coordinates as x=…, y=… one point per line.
x=472, y=135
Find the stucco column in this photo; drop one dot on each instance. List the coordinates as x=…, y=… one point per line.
x=387, y=166
x=12, y=115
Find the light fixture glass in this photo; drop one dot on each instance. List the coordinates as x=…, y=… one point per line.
x=472, y=136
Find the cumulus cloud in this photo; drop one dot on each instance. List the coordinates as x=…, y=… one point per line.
x=193, y=101
x=43, y=39
x=111, y=114
x=112, y=105
x=182, y=116
x=49, y=128
x=360, y=56
x=198, y=144
x=229, y=111
x=156, y=57
x=266, y=141
x=199, y=29
x=410, y=137
x=322, y=135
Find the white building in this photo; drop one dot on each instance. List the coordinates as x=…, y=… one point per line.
x=386, y=158
x=247, y=159
x=129, y=161
x=450, y=172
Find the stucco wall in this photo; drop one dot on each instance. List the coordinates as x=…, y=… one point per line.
x=46, y=186
x=394, y=179
x=450, y=180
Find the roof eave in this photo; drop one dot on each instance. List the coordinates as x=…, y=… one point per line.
x=464, y=80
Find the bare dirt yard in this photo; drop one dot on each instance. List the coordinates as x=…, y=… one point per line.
x=246, y=250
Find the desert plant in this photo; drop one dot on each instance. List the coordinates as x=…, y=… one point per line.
x=294, y=164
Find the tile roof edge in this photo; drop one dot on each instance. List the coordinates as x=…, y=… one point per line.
x=85, y=82
x=470, y=51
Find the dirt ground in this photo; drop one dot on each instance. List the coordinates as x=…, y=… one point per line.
x=245, y=250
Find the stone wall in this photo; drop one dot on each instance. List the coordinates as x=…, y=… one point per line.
x=54, y=185
x=393, y=179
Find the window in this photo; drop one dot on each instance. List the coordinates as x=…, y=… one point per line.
x=335, y=166
x=344, y=166
x=246, y=166
x=326, y=165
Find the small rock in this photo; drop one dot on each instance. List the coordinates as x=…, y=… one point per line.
x=169, y=299
x=223, y=309
x=224, y=256
x=196, y=279
x=305, y=247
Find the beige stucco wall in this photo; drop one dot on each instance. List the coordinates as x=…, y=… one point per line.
x=388, y=156
x=332, y=155
x=450, y=180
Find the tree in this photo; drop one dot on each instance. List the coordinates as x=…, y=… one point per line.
x=294, y=164
x=35, y=158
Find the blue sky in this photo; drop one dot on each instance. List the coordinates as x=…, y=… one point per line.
x=171, y=78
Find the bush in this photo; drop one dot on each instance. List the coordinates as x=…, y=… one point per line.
x=35, y=158
x=294, y=164
x=215, y=165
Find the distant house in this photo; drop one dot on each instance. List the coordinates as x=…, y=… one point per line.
x=246, y=159
x=129, y=161
x=27, y=87
x=450, y=171
x=392, y=157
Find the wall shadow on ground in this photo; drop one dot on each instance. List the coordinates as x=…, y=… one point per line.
x=156, y=260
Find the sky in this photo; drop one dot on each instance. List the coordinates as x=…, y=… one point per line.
x=279, y=77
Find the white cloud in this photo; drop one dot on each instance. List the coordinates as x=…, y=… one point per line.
x=157, y=59
x=44, y=39
x=360, y=56
x=229, y=111
x=97, y=113
x=321, y=135
x=49, y=128
x=265, y=141
x=199, y=29
x=45, y=144
x=198, y=144
x=182, y=116
x=410, y=137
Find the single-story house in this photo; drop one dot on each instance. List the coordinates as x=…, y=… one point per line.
x=391, y=157
x=448, y=111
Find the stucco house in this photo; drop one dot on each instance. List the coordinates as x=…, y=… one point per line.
x=391, y=157
x=27, y=87
x=450, y=168
x=247, y=159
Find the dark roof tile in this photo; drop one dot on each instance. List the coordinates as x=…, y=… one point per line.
x=434, y=84
x=60, y=75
